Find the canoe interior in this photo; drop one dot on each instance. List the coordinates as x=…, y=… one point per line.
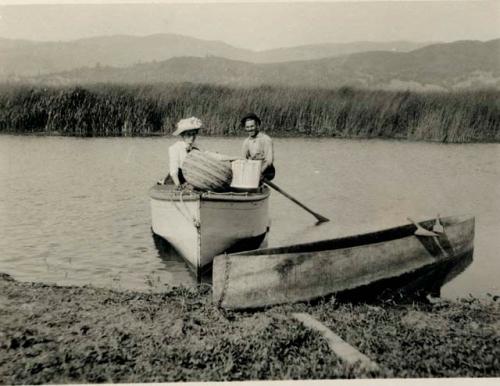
x=394, y=233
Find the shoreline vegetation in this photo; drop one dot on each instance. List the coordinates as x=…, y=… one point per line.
x=152, y=110
x=55, y=334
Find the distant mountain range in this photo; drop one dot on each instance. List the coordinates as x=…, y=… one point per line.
x=28, y=58
x=174, y=58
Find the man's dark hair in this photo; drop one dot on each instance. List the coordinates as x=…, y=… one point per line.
x=250, y=116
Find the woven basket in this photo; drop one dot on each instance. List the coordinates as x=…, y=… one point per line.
x=207, y=173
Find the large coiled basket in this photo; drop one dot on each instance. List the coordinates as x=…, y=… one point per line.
x=207, y=173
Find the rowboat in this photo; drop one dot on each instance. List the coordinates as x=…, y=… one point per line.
x=410, y=257
x=201, y=225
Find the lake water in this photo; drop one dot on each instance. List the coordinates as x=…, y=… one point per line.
x=76, y=211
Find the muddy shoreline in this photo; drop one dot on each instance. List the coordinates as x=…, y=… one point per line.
x=54, y=334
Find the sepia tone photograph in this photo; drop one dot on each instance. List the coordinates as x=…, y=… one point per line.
x=241, y=191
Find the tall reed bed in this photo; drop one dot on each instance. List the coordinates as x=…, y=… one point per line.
x=127, y=110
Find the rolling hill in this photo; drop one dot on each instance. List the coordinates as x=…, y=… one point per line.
x=319, y=51
x=28, y=58
x=462, y=64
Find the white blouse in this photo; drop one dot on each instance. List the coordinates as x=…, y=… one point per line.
x=176, y=155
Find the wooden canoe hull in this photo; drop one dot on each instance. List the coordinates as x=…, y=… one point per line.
x=308, y=271
x=200, y=226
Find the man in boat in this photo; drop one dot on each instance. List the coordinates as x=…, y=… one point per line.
x=258, y=146
x=187, y=129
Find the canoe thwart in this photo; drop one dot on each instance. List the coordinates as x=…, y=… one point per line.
x=438, y=227
x=422, y=231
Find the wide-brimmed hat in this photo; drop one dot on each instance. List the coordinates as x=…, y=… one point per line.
x=188, y=124
x=251, y=116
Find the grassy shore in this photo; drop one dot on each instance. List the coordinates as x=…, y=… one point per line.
x=126, y=110
x=52, y=334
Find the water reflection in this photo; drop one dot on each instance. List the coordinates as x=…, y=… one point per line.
x=428, y=280
x=173, y=262
x=459, y=265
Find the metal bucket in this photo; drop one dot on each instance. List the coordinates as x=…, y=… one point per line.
x=246, y=175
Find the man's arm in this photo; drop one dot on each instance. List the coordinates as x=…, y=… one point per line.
x=268, y=153
x=244, y=149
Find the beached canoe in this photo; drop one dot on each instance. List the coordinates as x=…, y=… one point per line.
x=202, y=225
x=372, y=261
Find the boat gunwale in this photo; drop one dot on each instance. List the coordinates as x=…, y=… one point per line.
x=156, y=192
x=353, y=241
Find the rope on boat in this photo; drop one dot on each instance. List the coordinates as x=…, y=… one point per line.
x=239, y=194
x=196, y=222
x=226, y=279
x=186, y=213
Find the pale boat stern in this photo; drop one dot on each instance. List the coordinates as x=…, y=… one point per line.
x=237, y=221
x=202, y=225
x=175, y=216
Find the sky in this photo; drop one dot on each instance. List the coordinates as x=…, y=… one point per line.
x=256, y=25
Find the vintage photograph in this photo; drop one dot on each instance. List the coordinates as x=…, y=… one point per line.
x=221, y=191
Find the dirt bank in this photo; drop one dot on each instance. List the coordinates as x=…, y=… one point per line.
x=51, y=334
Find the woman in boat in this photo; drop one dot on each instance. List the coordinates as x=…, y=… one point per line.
x=258, y=146
x=188, y=129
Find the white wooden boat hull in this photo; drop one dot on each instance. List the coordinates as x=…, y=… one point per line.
x=201, y=226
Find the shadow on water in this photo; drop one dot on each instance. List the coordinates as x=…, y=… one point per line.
x=413, y=285
x=166, y=251
x=173, y=260
x=175, y=263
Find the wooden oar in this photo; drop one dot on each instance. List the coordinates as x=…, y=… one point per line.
x=319, y=217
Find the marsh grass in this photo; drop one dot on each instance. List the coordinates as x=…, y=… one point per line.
x=129, y=110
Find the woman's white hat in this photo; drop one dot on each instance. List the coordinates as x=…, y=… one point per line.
x=187, y=124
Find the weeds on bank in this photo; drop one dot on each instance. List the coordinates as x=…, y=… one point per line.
x=56, y=334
